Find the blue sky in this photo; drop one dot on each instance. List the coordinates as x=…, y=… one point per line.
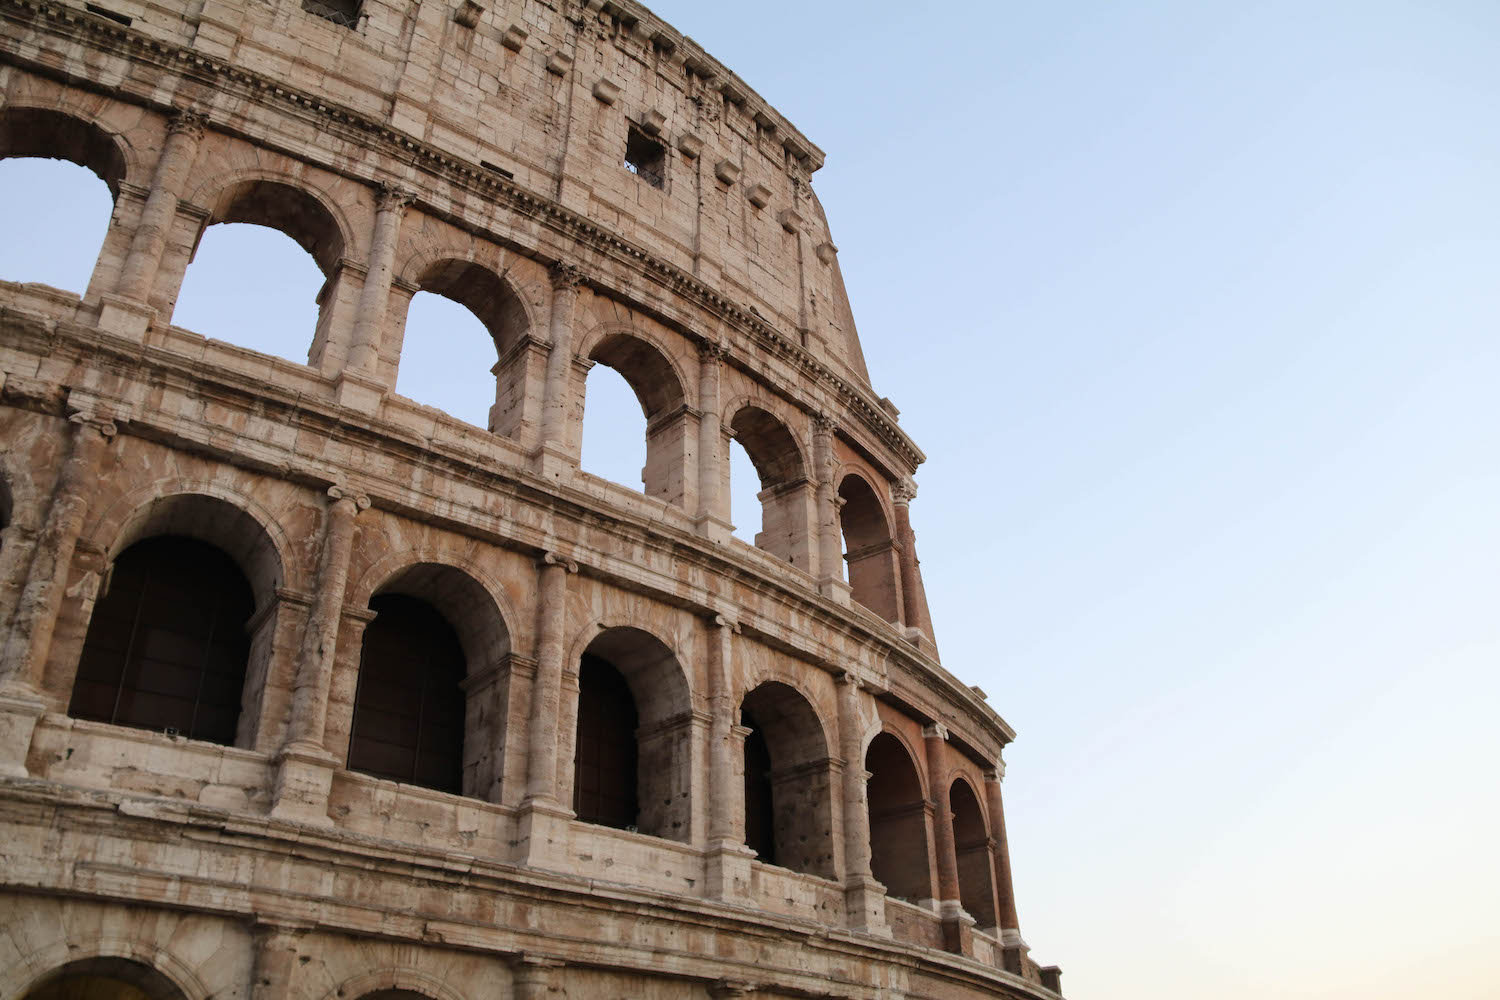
x=1206, y=308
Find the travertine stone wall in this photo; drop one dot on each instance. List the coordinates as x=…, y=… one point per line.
x=476, y=151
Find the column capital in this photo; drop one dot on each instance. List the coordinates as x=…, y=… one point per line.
x=392, y=198
x=551, y=558
x=935, y=731
x=996, y=773
x=564, y=277
x=903, y=492
x=848, y=679
x=712, y=351
x=527, y=960
x=187, y=123
x=730, y=988
x=359, y=500
x=106, y=426
x=721, y=620
x=823, y=422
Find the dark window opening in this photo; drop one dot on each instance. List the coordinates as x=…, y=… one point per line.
x=409, y=704
x=760, y=817
x=166, y=648
x=342, y=12
x=604, y=760
x=102, y=12
x=898, y=821
x=971, y=843
x=646, y=158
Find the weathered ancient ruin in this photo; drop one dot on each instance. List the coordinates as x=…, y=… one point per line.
x=310, y=691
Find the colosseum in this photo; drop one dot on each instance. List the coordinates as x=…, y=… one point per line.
x=312, y=692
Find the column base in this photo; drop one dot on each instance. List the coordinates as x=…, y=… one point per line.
x=918, y=638
x=835, y=590
x=20, y=709
x=359, y=391
x=1013, y=952
x=958, y=928
x=303, y=779
x=542, y=828
x=727, y=872
x=864, y=904
x=125, y=318
x=713, y=528
x=554, y=463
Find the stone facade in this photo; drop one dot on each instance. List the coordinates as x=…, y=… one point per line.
x=478, y=151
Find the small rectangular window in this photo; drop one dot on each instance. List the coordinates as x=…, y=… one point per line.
x=117, y=18
x=344, y=12
x=646, y=158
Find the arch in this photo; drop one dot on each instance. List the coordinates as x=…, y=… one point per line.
x=482, y=287
x=212, y=513
x=660, y=389
x=104, y=978
x=223, y=521
x=75, y=249
x=654, y=376
x=495, y=303
x=424, y=712
x=793, y=789
x=785, y=492
x=971, y=842
x=285, y=202
x=869, y=550
x=772, y=447
x=44, y=961
x=472, y=605
x=167, y=646
x=288, y=205
x=900, y=855
x=393, y=981
x=652, y=677
x=59, y=135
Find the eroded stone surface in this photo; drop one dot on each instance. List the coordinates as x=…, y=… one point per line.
x=477, y=152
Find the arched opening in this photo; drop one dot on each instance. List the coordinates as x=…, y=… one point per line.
x=744, y=495
x=426, y=711
x=447, y=359
x=874, y=572
x=167, y=647
x=614, y=430
x=104, y=979
x=899, y=853
x=659, y=394
x=459, y=346
x=976, y=877
x=7, y=505
x=260, y=227
x=788, y=785
x=59, y=177
x=629, y=682
x=409, y=704
x=604, y=784
x=760, y=811
x=783, y=494
x=233, y=531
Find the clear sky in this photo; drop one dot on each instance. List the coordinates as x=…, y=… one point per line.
x=1193, y=309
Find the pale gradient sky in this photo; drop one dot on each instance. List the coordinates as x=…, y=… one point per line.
x=1192, y=308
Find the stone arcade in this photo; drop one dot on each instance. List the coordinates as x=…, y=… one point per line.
x=308, y=691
